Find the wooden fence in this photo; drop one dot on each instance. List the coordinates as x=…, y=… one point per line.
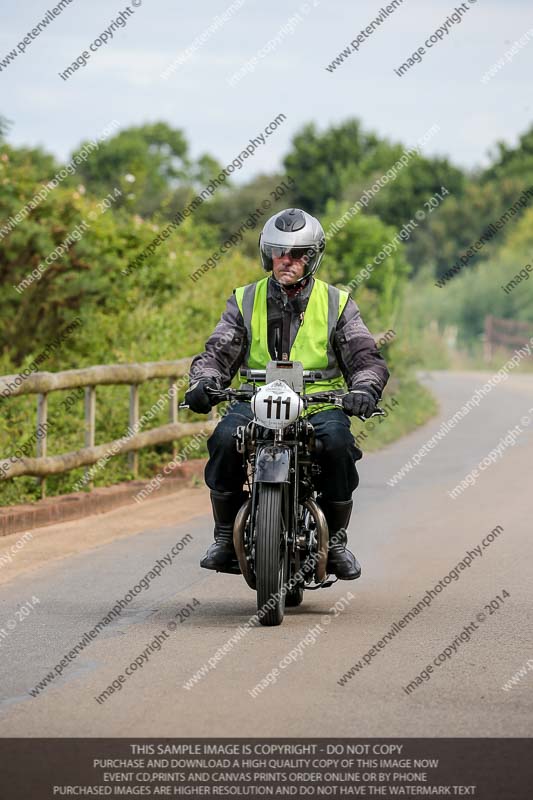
x=505, y=333
x=42, y=383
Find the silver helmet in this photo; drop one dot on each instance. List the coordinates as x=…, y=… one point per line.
x=293, y=230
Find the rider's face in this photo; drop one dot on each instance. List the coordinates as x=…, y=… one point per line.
x=287, y=269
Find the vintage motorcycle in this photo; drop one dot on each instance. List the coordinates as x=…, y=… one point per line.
x=280, y=532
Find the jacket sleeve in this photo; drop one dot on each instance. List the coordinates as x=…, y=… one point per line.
x=357, y=354
x=224, y=350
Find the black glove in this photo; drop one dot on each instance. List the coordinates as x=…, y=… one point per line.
x=197, y=398
x=359, y=402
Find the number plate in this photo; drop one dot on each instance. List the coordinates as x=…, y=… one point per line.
x=276, y=405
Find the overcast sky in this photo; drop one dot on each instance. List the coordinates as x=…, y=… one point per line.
x=122, y=80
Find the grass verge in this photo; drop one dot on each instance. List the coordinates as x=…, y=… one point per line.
x=407, y=407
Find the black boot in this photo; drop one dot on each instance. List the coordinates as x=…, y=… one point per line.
x=221, y=554
x=341, y=562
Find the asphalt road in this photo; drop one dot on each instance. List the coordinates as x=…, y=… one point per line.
x=408, y=537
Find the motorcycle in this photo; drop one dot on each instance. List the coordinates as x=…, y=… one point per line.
x=280, y=533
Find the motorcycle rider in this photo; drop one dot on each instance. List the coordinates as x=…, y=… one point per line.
x=290, y=315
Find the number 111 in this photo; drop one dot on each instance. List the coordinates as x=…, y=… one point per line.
x=278, y=402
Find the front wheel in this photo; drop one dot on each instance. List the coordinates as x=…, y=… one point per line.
x=271, y=554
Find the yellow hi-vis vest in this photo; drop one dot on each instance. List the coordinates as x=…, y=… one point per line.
x=313, y=342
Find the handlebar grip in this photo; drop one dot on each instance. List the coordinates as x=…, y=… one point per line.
x=208, y=390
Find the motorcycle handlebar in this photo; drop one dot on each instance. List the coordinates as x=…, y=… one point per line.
x=309, y=376
x=247, y=394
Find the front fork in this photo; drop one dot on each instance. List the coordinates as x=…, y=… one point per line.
x=278, y=462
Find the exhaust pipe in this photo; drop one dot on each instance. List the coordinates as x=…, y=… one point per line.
x=322, y=532
x=238, y=542
x=322, y=541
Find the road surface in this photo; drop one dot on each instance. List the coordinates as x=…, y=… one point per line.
x=408, y=536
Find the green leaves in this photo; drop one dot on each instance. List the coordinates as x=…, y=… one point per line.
x=356, y=246
x=323, y=164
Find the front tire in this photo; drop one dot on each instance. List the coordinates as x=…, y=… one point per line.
x=271, y=554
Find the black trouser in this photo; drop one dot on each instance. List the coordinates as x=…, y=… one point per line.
x=224, y=472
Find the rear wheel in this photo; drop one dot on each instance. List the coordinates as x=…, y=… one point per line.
x=294, y=596
x=271, y=554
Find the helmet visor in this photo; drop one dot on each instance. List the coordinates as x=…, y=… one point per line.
x=308, y=255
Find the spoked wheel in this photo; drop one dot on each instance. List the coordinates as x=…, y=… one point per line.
x=271, y=555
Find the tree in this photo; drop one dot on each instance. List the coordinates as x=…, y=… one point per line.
x=146, y=163
x=4, y=126
x=323, y=164
x=460, y=221
x=344, y=161
x=24, y=173
x=413, y=185
x=512, y=162
x=357, y=246
x=227, y=212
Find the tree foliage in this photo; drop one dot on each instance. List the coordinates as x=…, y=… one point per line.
x=148, y=163
x=323, y=164
x=512, y=162
x=354, y=248
x=158, y=311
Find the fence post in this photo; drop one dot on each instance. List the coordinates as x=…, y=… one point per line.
x=90, y=418
x=42, y=419
x=489, y=327
x=173, y=409
x=133, y=457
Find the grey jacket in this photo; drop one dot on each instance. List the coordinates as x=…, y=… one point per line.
x=355, y=348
